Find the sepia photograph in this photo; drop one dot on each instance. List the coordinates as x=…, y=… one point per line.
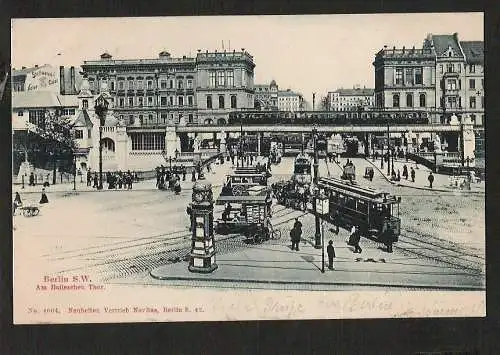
x=210, y=168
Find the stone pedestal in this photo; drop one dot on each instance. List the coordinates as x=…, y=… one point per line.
x=172, y=142
x=202, y=256
x=469, y=141
x=25, y=169
x=121, y=148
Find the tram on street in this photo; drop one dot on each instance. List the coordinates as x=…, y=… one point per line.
x=376, y=213
x=302, y=170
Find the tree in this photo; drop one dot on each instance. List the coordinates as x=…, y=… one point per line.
x=56, y=131
x=324, y=103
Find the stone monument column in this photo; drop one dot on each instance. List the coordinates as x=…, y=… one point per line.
x=469, y=141
x=202, y=256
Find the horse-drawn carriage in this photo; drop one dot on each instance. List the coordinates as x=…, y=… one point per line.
x=238, y=184
x=290, y=194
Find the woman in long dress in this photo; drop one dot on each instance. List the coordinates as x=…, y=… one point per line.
x=44, y=198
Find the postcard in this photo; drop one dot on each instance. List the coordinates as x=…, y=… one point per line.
x=172, y=169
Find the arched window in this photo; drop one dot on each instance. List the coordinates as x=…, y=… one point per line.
x=208, y=121
x=209, y=101
x=221, y=121
x=422, y=100
x=85, y=104
x=131, y=119
x=409, y=100
x=221, y=101
x=395, y=100
x=108, y=146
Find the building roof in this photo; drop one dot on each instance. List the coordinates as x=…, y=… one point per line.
x=83, y=119
x=287, y=93
x=42, y=99
x=19, y=72
x=355, y=92
x=474, y=51
x=443, y=42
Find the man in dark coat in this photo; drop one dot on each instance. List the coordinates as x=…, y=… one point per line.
x=431, y=179
x=32, y=179
x=330, y=250
x=295, y=236
x=412, y=174
x=354, y=240
x=405, y=172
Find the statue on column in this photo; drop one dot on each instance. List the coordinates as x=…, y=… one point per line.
x=437, y=144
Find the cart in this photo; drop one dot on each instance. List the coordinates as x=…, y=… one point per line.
x=247, y=215
x=29, y=210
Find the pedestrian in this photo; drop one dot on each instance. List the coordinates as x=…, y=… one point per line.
x=336, y=221
x=370, y=173
x=330, y=250
x=412, y=173
x=89, y=178
x=193, y=175
x=431, y=179
x=189, y=211
x=399, y=176
x=388, y=238
x=294, y=235
x=354, y=239
x=17, y=202
x=44, y=198
x=183, y=172
x=405, y=172
x=177, y=187
x=32, y=179
x=95, y=180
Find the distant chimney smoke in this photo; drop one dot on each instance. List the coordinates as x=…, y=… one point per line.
x=61, y=80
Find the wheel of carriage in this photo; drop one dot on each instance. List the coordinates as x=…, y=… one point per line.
x=35, y=212
x=26, y=212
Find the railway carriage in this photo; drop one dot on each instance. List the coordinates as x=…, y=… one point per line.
x=373, y=211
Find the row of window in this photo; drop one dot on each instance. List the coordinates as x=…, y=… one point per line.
x=221, y=101
x=150, y=101
x=409, y=76
x=148, y=141
x=456, y=102
x=218, y=78
x=163, y=119
x=451, y=84
x=457, y=68
x=139, y=84
x=409, y=100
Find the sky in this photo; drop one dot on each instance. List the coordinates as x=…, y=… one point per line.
x=305, y=53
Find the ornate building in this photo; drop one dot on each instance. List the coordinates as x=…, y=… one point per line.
x=350, y=99
x=405, y=78
x=445, y=77
x=149, y=97
x=289, y=101
x=266, y=96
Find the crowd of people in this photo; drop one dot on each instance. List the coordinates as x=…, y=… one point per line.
x=114, y=179
x=167, y=178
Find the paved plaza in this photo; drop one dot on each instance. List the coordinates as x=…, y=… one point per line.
x=141, y=236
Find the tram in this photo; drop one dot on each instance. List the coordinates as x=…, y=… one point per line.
x=371, y=210
x=302, y=170
x=322, y=147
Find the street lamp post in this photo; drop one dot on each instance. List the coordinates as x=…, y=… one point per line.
x=322, y=208
x=101, y=107
x=317, y=234
x=388, y=152
x=74, y=171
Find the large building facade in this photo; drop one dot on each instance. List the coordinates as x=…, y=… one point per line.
x=289, y=100
x=149, y=97
x=350, y=99
x=444, y=77
x=266, y=96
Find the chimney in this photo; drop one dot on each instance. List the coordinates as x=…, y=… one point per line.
x=36, y=65
x=72, y=85
x=61, y=80
x=23, y=67
x=403, y=49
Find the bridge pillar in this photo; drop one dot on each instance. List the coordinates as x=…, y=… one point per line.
x=259, y=137
x=468, y=141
